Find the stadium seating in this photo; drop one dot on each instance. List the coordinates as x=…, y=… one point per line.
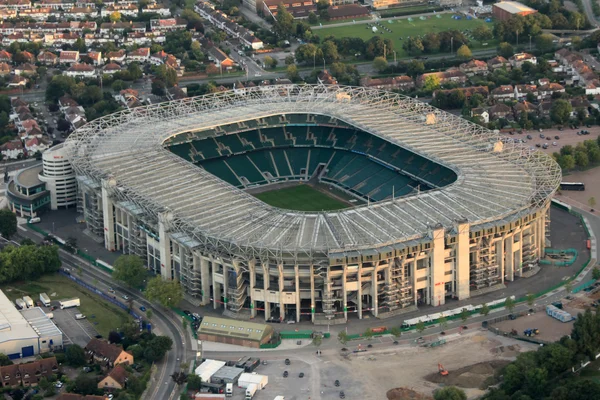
x=263, y=161
x=277, y=137
x=233, y=143
x=220, y=169
x=281, y=162
x=298, y=159
x=243, y=167
x=183, y=150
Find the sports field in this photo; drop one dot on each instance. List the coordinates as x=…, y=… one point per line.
x=404, y=28
x=301, y=198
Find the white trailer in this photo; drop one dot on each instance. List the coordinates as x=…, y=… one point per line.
x=29, y=301
x=246, y=379
x=21, y=304
x=68, y=303
x=45, y=299
x=251, y=390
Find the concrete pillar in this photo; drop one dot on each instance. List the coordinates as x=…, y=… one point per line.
x=265, y=266
x=359, y=294
x=345, y=292
x=437, y=267
x=375, y=304
x=462, y=261
x=519, y=255
x=216, y=285
x=509, y=258
x=542, y=234
x=413, y=276
x=500, y=258
x=313, y=303
x=252, y=272
x=281, y=289
x=206, y=279
x=225, y=285
x=166, y=266
x=108, y=214
x=297, y=292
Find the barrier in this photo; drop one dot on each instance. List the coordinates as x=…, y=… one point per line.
x=270, y=345
x=560, y=263
x=583, y=286
x=303, y=334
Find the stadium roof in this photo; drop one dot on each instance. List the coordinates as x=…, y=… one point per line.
x=13, y=326
x=495, y=181
x=513, y=7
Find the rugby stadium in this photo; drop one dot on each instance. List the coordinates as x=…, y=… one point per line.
x=313, y=202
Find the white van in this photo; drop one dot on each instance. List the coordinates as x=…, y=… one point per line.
x=79, y=316
x=35, y=220
x=229, y=390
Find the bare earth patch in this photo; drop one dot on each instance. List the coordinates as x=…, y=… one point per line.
x=406, y=394
x=471, y=376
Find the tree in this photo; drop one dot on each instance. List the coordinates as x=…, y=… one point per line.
x=290, y=60
x=8, y=223
x=4, y=360
x=509, y=303
x=71, y=244
x=85, y=385
x=330, y=51
x=114, y=337
x=194, y=382
x=167, y=292
x=569, y=287
x=75, y=356
x=118, y=85
x=343, y=337
x=160, y=345
x=317, y=340
x=420, y=327
x=450, y=393
x=284, y=23
x=166, y=74
x=592, y=202
x=59, y=86
x=443, y=322
x=484, y=310
x=115, y=16
x=431, y=83
x=431, y=42
x=368, y=334
x=560, y=111
x=464, y=52
x=415, y=68
x=312, y=18
x=544, y=42
x=482, y=33
x=413, y=46
x=530, y=299
x=130, y=270
x=179, y=377
x=380, y=64
x=595, y=275
x=135, y=72
x=149, y=314
x=505, y=50
x=396, y=332
x=464, y=315
x=292, y=72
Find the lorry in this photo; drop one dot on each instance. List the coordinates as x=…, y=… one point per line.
x=45, y=299
x=68, y=303
x=251, y=390
x=229, y=390
x=21, y=304
x=28, y=301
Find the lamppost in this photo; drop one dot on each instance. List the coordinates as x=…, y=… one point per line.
x=323, y=64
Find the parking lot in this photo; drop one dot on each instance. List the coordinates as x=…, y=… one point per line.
x=74, y=331
x=550, y=328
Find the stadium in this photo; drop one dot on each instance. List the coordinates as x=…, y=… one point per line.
x=314, y=202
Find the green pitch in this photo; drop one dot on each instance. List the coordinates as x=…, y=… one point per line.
x=403, y=27
x=301, y=198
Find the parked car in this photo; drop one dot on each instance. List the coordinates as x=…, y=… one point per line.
x=58, y=384
x=142, y=308
x=285, y=374
x=287, y=361
x=125, y=297
x=337, y=383
x=556, y=137
x=187, y=312
x=301, y=375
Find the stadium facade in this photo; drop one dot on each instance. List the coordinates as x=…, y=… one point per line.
x=450, y=210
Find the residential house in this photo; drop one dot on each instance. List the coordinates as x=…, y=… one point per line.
x=75, y=116
x=47, y=58
x=5, y=14
x=503, y=93
x=546, y=91
x=75, y=396
x=25, y=69
x=169, y=24
x=120, y=27
x=129, y=98
x=81, y=71
x=519, y=59
x=325, y=78
x=129, y=10
x=115, y=380
x=116, y=56
x=401, y=82
x=161, y=9
x=28, y=374
x=108, y=354
x=298, y=9
x=544, y=108
x=521, y=91
x=4, y=69
x=95, y=57
x=69, y=57
x=178, y=93
x=140, y=55
x=81, y=13
x=474, y=67
x=481, y=113
x=499, y=111
x=524, y=107
x=65, y=102
x=580, y=104
x=26, y=57
x=347, y=11
x=17, y=81
x=11, y=150
x=111, y=68
x=543, y=81
x=452, y=75
x=592, y=87
x=219, y=57
x=158, y=58
x=5, y=56
x=36, y=145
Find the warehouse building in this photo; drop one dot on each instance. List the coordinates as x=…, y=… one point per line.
x=506, y=9
x=208, y=368
x=240, y=333
x=27, y=333
x=226, y=375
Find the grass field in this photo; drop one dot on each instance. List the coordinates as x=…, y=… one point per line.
x=104, y=316
x=404, y=28
x=301, y=198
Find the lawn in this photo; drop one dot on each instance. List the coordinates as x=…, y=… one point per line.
x=301, y=198
x=104, y=316
x=404, y=28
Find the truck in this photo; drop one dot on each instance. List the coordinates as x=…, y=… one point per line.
x=45, y=299
x=28, y=301
x=251, y=390
x=229, y=390
x=21, y=304
x=68, y=303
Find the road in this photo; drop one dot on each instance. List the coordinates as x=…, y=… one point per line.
x=589, y=13
x=161, y=386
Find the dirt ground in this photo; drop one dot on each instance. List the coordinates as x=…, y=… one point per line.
x=377, y=372
x=473, y=376
x=406, y=394
x=550, y=328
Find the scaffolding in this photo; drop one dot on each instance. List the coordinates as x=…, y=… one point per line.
x=485, y=271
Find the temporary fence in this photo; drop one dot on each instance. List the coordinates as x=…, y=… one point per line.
x=557, y=263
x=583, y=286
x=301, y=334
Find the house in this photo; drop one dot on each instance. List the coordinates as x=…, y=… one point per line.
x=116, y=56
x=158, y=58
x=120, y=27
x=298, y=9
x=169, y=24
x=28, y=374
x=521, y=91
x=75, y=116
x=5, y=56
x=474, y=67
x=95, y=57
x=36, y=145
x=580, y=104
x=27, y=56
x=47, y=58
x=129, y=10
x=115, y=380
x=25, y=69
x=544, y=108
x=11, y=150
x=347, y=11
x=325, y=78
x=108, y=354
x=75, y=396
x=140, y=55
x=453, y=75
x=65, y=102
x=219, y=57
x=178, y=93
x=69, y=57
x=519, y=59
x=547, y=90
x=81, y=13
x=129, y=98
x=161, y=9
x=524, y=107
x=4, y=69
x=5, y=14
x=111, y=68
x=17, y=81
x=401, y=82
x=81, y=71
x=481, y=113
x=592, y=87
x=503, y=93
x=500, y=111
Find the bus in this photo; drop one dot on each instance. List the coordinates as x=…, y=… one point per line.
x=572, y=186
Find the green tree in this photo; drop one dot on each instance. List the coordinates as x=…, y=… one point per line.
x=194, y=382
x=292, y=72
x=443, y=322
x=567, y=162
x=530, y=299
x=484, y=310
x=8, y=223
x=130, y=270
x=343, y=337
x=569, y=287
x=464, y=315
x=85, y=385
x=284, y=23
x=420, y=327
x=431, y=83
x=592, y=202
x=581, y=159
x=482, y=33
x=317, y=340
x=413, y=46
x=560, y=111
x=415, y=68
x=380, y=64
x=368, y=334
x=431, y=42
x=544, y=42
x=167, y=292
x=184, y=323
x=160, y=345
x=166, y=74
x=450, y=393
x=59, y=86
x=135, y=72
x=595, y=275
x=505, y=50
x=510, y=304
x=464, y=52
x=290, y=60
x=149, y=314
x=115, y=16
x=4, y=360
x=75, y=356
x=312, y=18
x=396, y=332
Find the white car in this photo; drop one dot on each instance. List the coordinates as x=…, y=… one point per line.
x=58, y=384
x=125, y=297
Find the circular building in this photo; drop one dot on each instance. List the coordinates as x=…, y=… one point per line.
x=314, y=201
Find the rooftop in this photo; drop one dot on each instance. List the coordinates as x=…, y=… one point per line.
x=29, y=177
x=40, y=322
x=13, y=325
x=513, y=7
